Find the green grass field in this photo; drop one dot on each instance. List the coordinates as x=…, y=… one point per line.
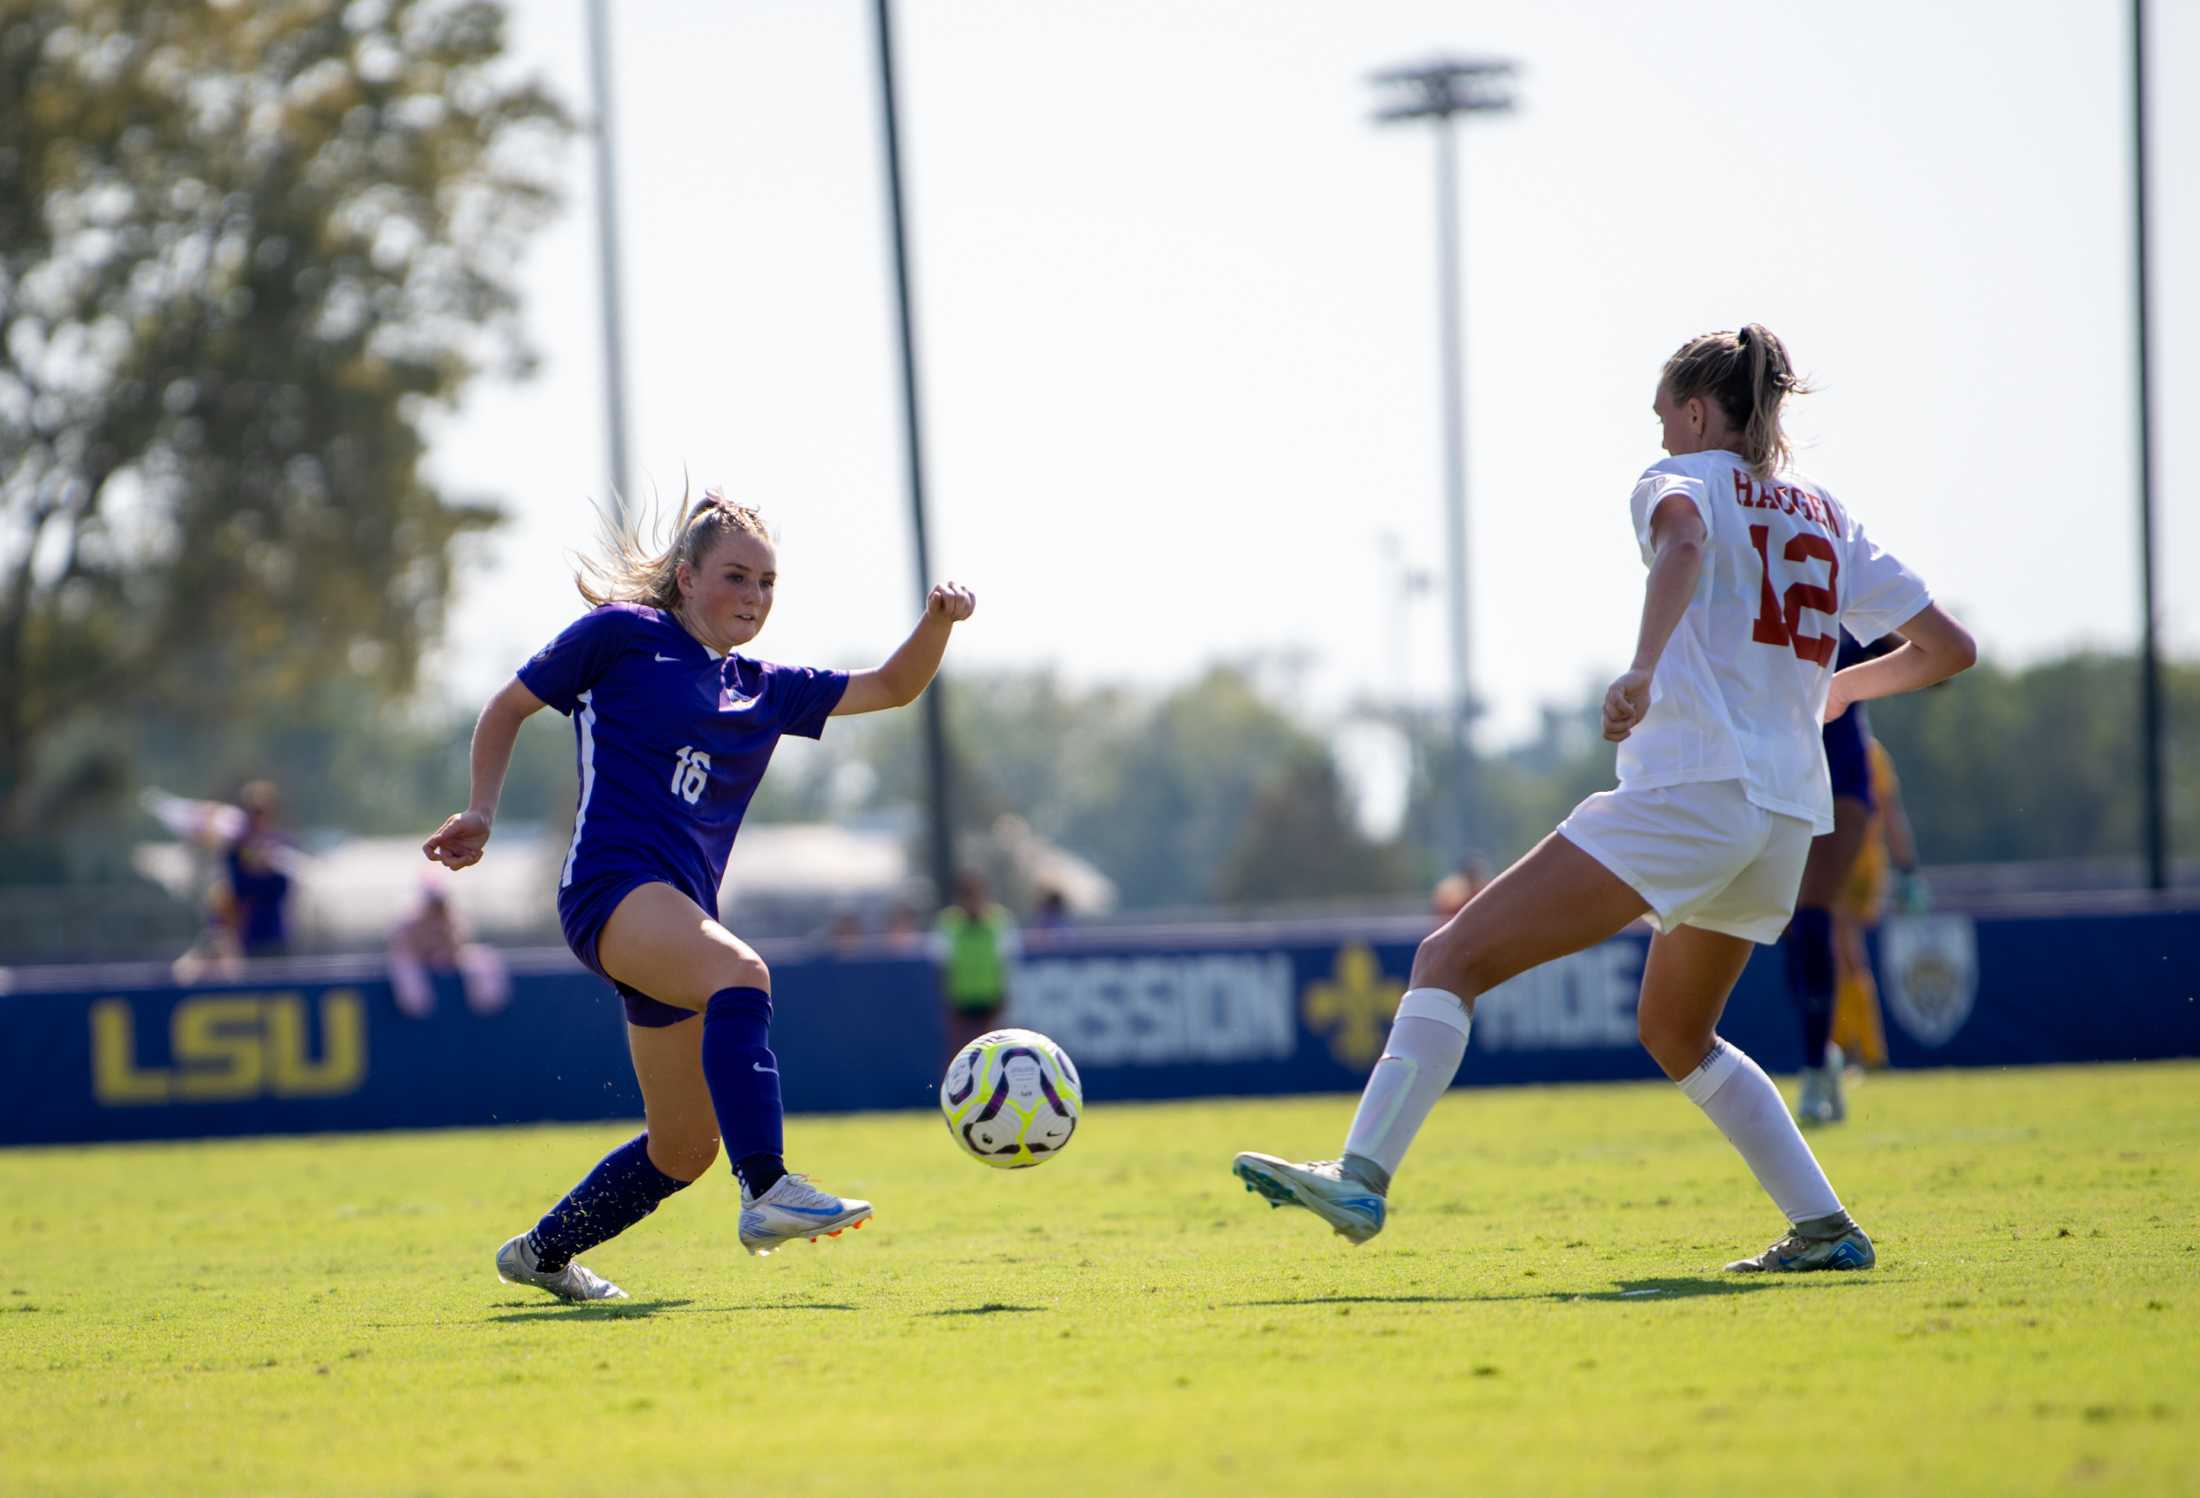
x=1545, y=1313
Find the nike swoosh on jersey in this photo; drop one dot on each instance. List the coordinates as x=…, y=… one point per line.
x=672, y=658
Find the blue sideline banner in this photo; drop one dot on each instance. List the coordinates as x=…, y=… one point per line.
x=285, y=1054
x=1146, y=1015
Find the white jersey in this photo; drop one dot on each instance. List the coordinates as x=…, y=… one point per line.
x=1741, y=688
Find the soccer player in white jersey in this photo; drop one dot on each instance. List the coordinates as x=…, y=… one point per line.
x=1722, y=785
x=674, y=729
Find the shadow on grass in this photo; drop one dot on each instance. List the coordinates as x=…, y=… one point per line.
x=1624, y=1290
x=633, y=1310
x=1358, y=1300
x=990, y=1308
x=1683, y=1288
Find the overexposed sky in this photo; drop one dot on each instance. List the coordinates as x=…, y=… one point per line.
x=1177, y=319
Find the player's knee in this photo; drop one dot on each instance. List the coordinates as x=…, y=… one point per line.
x=741, y=972
x=1676, y=1044
x=685, y=1156
x=1446, y=959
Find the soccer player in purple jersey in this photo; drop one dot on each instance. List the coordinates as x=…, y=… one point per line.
x=674, y=732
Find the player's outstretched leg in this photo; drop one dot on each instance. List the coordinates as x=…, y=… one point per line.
x=1428, y=1040
x=1556, y=900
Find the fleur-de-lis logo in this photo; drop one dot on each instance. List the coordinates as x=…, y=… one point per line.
x=1355, y=1006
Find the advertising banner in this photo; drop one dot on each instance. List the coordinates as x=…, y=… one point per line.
x=1156, y=1014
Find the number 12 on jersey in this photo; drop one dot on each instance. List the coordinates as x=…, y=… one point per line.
x=1780, y=616
x=690, y=773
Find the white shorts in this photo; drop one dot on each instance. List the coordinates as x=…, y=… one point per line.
x=1701, y=854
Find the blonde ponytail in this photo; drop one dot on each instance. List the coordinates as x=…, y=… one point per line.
x=1749, y=374
x=626, y=570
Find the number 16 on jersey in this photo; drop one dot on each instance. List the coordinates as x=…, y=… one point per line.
x=690, y=773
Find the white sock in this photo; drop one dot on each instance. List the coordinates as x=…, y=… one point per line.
x=1751, y=1114
x=1427, y=1042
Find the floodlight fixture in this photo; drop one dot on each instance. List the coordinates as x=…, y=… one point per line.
x=1445, y=86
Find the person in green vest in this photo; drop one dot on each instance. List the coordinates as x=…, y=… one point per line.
x=976, y=944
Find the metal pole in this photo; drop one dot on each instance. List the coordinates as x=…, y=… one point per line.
x=1438, y=90
x=935, y=700
x=2150, y=663
x=607, y=241
x=1455, y=473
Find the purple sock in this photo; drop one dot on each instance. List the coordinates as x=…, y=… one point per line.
x=1810, y=967
x=743, y=1077
x=623, y=1189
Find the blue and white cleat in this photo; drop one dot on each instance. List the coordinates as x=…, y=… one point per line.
x=792, y=1209
x=1351, y=1206
x=516, y=1265
x=1825, y=1243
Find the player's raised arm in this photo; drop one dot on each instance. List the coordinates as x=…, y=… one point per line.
x=457, y=844
x=910, y=669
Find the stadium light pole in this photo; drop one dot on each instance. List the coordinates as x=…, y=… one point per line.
x=1439, y=90
x=607, y=253
x=937, y=777
x=2150, y=660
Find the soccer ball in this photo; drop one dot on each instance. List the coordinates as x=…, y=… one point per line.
x=1011, y=1098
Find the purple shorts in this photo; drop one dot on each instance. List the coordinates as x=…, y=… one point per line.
x=582, y=911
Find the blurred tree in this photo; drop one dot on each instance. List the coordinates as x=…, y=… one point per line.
x=245, y=250
x=1156, y=790
x=1299, y=840
x=348, y=761
x=2040, y=763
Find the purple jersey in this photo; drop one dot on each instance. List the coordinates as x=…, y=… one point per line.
x=673, y=742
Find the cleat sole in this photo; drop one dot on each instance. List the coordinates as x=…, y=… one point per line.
x=1277, y=1194
x=760, y=1252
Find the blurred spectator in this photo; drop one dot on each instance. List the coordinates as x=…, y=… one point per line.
x=1051, y=912
x=1456, y=888
x=429, y=943
x=843, y=933
x=248, y=910
x=1889, y=855
x=213, y=953
x=975, y=943
x=901, y=932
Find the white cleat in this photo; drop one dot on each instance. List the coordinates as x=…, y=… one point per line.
x=1829, y=1243
x=516, y=1265
x=792, y=1209
x=1351, y=1206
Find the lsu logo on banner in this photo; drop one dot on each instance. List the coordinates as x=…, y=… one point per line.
x=1931, y=964
x=228, y=1047
x=1354, y=1006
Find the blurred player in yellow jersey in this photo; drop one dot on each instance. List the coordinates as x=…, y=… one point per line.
x=1888, y=848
